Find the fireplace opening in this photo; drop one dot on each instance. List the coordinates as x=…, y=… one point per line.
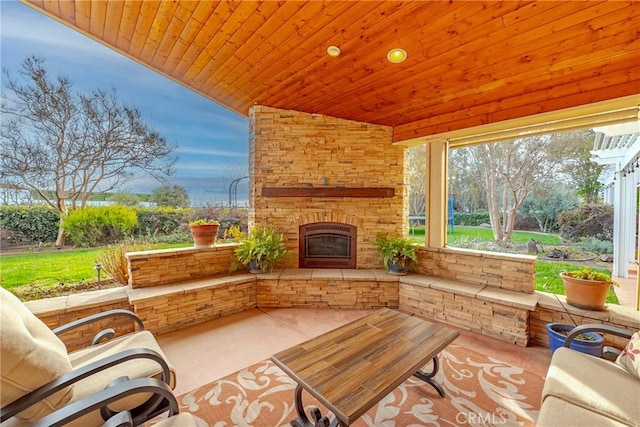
x=327, y=245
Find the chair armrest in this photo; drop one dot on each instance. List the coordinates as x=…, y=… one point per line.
x=74, y=376
x=111, y=394
x=107, y=333
x=596, y=327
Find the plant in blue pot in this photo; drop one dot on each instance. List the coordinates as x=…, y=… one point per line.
x=396, y=253
x=587, y=342
x=261, y=249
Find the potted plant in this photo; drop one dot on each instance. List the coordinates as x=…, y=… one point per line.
x=397, y=253
x=587, y=342
x=261, y=249
x=586, y=288
x=204, y=232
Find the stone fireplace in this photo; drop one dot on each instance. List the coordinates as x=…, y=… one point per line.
x=309, y=171
x=327, y=245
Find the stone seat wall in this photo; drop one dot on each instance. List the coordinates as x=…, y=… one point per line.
x=491, y=311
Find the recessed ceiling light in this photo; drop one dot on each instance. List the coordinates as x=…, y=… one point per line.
x=397, y=55
x=333, y=51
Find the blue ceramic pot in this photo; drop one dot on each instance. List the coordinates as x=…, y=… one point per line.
x=591, y=346
x=254, y=268
x=396, y=269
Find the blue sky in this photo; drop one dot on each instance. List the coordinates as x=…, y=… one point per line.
x=212, y=141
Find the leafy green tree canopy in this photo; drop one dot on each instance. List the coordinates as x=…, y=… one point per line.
x=125, y=199
x=175, y=197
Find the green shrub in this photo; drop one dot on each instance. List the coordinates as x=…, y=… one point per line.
x=92, y=226
x=591, y=220
x=472, y=218
x=161, y=221
x=30, y=224
x=227, y=217
x=592, y=244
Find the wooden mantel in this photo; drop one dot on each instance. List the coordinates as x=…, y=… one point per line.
x=364, y=192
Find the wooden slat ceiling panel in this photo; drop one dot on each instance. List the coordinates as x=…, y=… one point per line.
x=469, y=63
x=350, y=73
x=451, y=74
x=272, y=52
x=130, y=14
x=223, y=78
x=430, y=65
x=313, y=35
x=588, y=59
x=224, y=51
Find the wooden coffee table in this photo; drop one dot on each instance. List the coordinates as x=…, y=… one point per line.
x=351, y=368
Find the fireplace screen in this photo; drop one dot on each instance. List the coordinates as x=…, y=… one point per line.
x=327, y=245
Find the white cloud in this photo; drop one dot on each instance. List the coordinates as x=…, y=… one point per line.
x=211, y=152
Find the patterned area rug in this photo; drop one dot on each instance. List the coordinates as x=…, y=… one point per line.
x=480, y=391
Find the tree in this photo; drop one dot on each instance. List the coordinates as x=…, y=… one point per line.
x=466, y=181
x=125, y=199
x=547, y=201
x=416, y=160
x=175, y=197
x=582, y=172
x=66, y=145
x=512, y=169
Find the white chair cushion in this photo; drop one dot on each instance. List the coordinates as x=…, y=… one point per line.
x=137, y=368
x=31, y=356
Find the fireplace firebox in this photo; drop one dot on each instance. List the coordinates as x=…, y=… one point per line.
x=327, y=245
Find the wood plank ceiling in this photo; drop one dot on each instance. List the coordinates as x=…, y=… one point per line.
x=469, y=63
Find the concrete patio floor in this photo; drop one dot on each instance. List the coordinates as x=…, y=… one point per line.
x=211, y=350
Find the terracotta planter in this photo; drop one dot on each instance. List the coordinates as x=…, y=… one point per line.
x=587, y=294
x=204, y=236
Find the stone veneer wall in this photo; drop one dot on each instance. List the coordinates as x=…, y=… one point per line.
x=167, y=266
x=172, y=307
x=293, y=149
x=328, y=288
x=554, y=308
x=506, y=271
x=461, y=306
x=58, y=311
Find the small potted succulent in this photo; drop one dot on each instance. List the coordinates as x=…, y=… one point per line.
x=204, y=232
x=261, y=249
x=396, y=253
x=587, y=288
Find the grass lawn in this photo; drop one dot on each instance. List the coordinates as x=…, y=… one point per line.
x=476, y=233
x=48, y=269
x=517, y=237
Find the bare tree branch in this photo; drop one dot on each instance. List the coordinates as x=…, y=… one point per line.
x=65, y=146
